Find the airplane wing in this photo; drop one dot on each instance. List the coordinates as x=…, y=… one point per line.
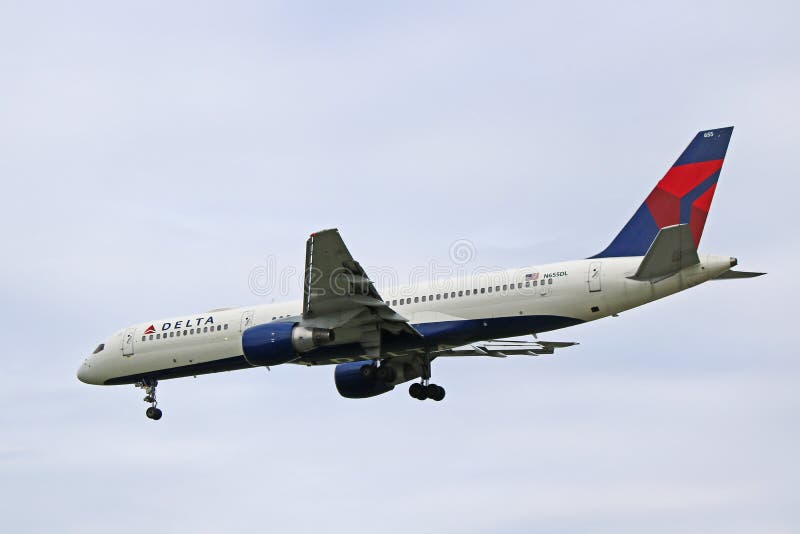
x=502, y=348
x=337, y=293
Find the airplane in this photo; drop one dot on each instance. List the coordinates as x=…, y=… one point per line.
x=380, y=340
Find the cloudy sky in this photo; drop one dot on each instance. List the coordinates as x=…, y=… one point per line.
x=154, y=154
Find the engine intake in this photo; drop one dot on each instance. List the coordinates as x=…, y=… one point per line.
x=276, y=343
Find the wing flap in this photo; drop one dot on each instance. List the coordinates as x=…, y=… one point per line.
x=502, y=348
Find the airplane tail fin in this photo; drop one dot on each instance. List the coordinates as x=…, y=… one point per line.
x=683, y=196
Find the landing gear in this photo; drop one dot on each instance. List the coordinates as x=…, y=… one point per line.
x=149, y=387
x=424, y=389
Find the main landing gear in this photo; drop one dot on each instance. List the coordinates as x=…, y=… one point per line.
x=149, y=387
x=424, y=389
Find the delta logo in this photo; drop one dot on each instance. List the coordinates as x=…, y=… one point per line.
x=196, y=322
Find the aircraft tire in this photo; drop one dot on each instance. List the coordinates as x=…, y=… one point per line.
x=417, y=391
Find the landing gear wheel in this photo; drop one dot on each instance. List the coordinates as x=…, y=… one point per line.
x=435, y=392
x=153, y=413
x=417, y=391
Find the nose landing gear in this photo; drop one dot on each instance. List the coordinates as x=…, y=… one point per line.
x=149, y=387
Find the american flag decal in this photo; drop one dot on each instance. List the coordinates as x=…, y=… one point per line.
x=532, y=276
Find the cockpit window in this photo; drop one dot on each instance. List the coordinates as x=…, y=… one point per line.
x=100, y=347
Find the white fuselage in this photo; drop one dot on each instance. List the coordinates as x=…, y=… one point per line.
x=529, y=300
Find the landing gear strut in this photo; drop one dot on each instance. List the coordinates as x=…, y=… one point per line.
x=149, y=387
x=424, y=389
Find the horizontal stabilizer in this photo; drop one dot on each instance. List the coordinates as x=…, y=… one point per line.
x=732, y=275
x=671, y=250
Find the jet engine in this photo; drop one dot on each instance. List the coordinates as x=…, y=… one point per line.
x=276, y=343
x=358, y=380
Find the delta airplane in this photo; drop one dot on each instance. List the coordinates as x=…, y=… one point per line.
x=377, y=341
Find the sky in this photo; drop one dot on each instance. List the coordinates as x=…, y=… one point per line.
x=153, y=156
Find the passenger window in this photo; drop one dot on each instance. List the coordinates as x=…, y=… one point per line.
x=490, y=289
x=143, y=338
x=185, y=333
x=394, y=302
x=416, y=299
x=402, y=301
x=225, y=327
x=460, y=293
x=497, y=288
x=444, y=295
x=423, y=298
x=505, y=287
x=535, y=283
x=219, y=327
x=438, y=296
x=467, y=292
x=172, y=334
x=191, y=332
x=527, y=284
x=519, y=285
x=550, y=281
x=151, y=337
x=453, y=295
x=483, y=290
x=205, y=329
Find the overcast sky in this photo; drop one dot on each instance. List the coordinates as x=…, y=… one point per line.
x=153, y=154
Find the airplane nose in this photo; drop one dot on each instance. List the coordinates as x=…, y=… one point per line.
x=86, y=374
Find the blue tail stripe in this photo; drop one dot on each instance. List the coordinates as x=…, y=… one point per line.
x=706, y=146
x=635, y=237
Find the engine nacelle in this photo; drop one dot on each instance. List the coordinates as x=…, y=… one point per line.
x=356, y=380
x=277, y=343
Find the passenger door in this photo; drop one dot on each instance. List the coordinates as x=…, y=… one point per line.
x=127, y=342
x=594, y=277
